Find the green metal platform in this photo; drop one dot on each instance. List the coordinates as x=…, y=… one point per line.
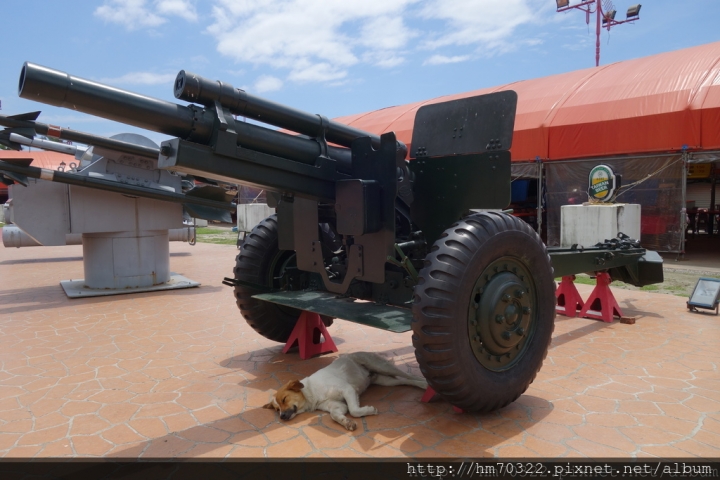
x=385, y=317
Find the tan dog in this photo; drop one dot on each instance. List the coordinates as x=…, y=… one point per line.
x=336, y=388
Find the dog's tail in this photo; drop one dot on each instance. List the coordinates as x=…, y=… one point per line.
x=377, y=364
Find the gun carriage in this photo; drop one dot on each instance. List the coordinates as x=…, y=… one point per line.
x=371, y=230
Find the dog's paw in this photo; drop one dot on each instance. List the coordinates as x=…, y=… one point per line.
x=351, y=426
x=372, y=411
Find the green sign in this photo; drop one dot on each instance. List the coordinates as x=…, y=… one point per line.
x=602, y=184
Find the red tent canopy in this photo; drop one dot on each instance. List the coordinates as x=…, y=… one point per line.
x=653, y=104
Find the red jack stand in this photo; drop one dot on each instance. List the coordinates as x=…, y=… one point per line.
x=569, y=301
x=430, y=394
x=601, y=305
x=306, y=335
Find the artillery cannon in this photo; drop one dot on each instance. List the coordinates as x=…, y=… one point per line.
x=371, y=230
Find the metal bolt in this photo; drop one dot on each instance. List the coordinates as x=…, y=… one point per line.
x=506, y=298
x=476, y=338
x=521, y=331
x=473, y=322
x=506, y=335
x=499, y=318
x=526, y=310
x=476, y=305
x=519, y=293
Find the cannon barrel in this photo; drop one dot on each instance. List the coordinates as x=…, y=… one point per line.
x=191, y=123
x=194, y=88
x=59, y=89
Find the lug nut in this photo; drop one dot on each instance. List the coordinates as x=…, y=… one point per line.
x=521, y=331
x=526, y=310
x=499, y=318
x=506, y=335
x=519, y=293
x=506, y=298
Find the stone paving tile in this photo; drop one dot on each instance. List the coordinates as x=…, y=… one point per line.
x=180, y=374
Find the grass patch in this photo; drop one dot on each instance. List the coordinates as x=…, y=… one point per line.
x=581, y=278
x=584, y=280
x=218, y=241
x=210, y=231
x=650, y=288
x=216, y=235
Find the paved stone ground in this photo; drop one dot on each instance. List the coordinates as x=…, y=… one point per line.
x=180, y=374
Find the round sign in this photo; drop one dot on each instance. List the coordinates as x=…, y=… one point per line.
x=602, y=184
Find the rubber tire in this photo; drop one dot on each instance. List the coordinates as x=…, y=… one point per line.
x=440, y=311
x=258, y=254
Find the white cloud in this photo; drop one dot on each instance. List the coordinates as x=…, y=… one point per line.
x=314, y=40
x=442, y=59
x=134, y=14
x=321, y=40
x=142, y=78
x=180, y=8
x=486, y=23
x=131, y=14
x=268, y=83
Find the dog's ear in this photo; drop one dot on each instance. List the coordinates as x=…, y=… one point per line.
x=295, y=386
x=269, y=405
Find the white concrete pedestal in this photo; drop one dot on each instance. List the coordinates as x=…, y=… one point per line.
x=125, y=262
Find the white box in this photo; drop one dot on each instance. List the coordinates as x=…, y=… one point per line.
x=250, y=214
x=587, y=225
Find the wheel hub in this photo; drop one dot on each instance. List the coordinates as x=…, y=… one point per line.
x=500, y=313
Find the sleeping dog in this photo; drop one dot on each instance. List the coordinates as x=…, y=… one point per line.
x=336, y=388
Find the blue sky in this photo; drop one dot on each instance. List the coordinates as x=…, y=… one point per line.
x=333, y=57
